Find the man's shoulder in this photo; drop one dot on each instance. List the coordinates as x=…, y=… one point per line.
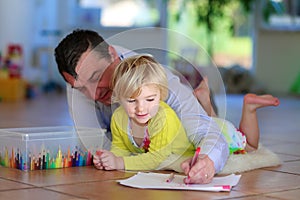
x=124, y=52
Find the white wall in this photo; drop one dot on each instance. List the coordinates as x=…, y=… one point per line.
x=34, y=24
x=276, y=55
x=277, y=59
x=27, y=23
x=16, y=26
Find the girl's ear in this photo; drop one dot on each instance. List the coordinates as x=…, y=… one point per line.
x=70, y=79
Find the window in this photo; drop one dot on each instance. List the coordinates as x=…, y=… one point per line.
x=122, y=13
x=281, y=14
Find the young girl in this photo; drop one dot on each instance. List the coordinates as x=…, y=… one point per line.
x=146, y=132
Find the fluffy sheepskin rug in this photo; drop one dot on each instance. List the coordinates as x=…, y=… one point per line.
x=260, y=158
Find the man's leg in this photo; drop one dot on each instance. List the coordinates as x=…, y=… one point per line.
x=203, y=94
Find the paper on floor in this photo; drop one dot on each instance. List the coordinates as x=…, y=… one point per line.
x=158, y=181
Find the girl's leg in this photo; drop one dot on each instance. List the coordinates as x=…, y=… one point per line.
x=202, y=93
x=249, y=122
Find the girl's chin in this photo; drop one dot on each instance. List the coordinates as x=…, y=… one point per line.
x=141, y=121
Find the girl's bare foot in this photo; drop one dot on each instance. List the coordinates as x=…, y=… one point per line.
x=258, y=101
x=249, y=121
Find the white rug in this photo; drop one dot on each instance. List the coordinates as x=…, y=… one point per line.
x=260, y=158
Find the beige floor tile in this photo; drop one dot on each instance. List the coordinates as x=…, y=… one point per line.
x=286, y=158
x=290, y=194
x=35, y=193
x=286, y=137
x=292, y=167
x=267, y=141
x=11, y=174
x=95, y=190
x=290, y=148
x=263, y=181
x=9, y=185
x=52, y=107
x=61, y=176
x=254, y=197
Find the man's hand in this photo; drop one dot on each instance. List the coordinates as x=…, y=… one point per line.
x=202, y=172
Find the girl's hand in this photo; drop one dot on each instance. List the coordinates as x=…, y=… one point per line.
x=111, y=162
x=97, y=160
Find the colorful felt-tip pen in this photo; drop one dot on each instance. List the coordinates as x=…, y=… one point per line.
x=170, y=178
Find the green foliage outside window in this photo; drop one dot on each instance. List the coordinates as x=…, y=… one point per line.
x=214, y=23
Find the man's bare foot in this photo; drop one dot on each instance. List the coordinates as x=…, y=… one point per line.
x=202, y=93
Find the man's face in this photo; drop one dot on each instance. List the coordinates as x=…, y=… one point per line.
x=94, y=75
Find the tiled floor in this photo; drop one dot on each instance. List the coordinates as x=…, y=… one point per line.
x=280, y=132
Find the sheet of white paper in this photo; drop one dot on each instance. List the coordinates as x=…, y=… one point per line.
x=158, y=181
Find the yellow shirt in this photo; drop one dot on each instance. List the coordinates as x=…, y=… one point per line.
x=167, y=137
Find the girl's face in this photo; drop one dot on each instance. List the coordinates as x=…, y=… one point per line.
x=143, y=107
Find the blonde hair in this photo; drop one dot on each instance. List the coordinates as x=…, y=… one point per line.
x=134, y=72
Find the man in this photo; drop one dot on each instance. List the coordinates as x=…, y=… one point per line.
x=87, y=63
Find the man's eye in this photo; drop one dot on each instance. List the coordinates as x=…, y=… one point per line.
x=95, y=77
x=82, y=89
x=93, y=80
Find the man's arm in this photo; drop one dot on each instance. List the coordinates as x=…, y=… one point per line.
x=201, y=129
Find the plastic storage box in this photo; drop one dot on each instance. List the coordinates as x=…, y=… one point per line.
x=40, y=148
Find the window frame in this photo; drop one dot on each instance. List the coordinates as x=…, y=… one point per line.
x=280, y=27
